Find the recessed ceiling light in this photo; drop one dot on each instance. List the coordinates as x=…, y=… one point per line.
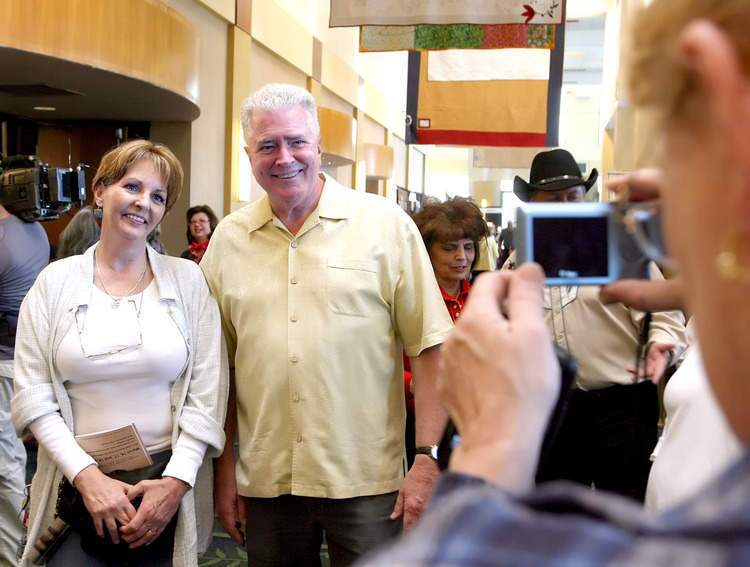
x=45, y=108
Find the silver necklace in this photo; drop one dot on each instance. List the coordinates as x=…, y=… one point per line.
x=116, y=300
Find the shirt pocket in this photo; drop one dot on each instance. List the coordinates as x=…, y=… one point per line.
x=352, y=286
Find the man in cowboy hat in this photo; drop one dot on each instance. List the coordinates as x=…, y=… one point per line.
x=610, y=428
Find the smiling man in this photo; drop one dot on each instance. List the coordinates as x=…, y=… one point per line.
x=320, y=288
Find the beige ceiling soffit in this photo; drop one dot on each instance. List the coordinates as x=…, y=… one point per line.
x=336, y=132
x=378, y=160
x=223, y=8
x=141, y=39
x=499, y=158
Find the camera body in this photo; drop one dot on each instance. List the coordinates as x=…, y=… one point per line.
x=33, y=191
x=577, y=243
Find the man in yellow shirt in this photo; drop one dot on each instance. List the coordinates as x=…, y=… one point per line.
x=320, y=288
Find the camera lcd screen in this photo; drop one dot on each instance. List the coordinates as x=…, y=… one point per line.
x=571, y=247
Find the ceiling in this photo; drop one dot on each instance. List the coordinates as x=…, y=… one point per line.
x=82, y=92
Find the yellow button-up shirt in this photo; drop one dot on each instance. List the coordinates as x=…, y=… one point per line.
x=315, y=325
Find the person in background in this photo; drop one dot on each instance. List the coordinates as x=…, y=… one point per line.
x=201, y=223
x=452, y=232
x=122, y=335
x=506, y=243
x=607, y=435
x=154, y=240
x=319, y=403
x=80, y=233
x=690, y=62
x=24, y=252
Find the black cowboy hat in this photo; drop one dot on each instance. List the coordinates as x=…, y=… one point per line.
x=552, y=171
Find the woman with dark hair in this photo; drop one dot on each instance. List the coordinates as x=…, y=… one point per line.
x=201, y=222
x=452, y=231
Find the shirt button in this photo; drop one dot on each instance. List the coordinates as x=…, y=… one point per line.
x=294, y=244
x=293, y=359
x=293, y=280
x=295, y=397
x=299, y=438
x=174, y=409
x=293, y=318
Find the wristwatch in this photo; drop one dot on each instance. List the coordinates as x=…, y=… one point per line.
x=430, y=450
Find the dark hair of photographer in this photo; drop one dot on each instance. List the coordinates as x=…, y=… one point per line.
x=451, y=231
x=201, y=223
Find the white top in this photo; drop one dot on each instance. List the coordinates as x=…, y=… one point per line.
x=697, y=444
x=130, y=386
x=198, y=398
x=118, y=367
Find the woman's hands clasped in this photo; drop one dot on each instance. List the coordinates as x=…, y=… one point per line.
x=106, y=499
x=161, y=499
x=109, y=502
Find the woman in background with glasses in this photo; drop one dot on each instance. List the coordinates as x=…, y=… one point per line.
x=201, y=222
x=122, y=335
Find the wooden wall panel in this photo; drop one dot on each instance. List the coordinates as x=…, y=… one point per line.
x=336, y=135
x=143, y=39
x=379, y=160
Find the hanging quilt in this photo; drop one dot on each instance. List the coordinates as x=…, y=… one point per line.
x=410, y=12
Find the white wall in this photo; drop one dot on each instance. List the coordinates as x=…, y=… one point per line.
x=447, y=171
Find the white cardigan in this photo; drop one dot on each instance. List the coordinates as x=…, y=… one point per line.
x=198, y=396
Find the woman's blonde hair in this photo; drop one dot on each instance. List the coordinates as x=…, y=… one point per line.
x=116, y=162
x=657, y=75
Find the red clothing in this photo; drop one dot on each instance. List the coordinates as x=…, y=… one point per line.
x=455, y=305
x=196, y=250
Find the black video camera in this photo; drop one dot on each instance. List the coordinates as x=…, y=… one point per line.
x=33, y=191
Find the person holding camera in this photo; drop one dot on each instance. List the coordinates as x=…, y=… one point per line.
x=690, y=64
x=120, y=337
x=611, y=426
x=24, y=252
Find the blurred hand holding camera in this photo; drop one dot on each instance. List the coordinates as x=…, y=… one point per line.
x=500, y=378
x=644, y=295
x=637, y=186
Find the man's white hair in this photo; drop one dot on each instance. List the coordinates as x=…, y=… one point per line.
x=278, y=96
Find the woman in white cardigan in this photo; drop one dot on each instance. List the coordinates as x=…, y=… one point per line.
x=123, y=335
